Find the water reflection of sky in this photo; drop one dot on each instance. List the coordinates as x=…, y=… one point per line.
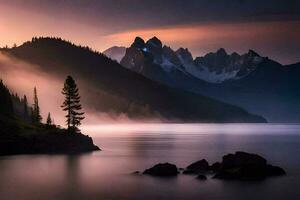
x=191, y=128
x=107, y=174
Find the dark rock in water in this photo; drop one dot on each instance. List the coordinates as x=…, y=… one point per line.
x=187, y=171
x=242, y=158
x=162, y=169
x=246, y=166
x=275, y=171
x=201, y=177
x=195, y=168
x=136, y=173
x=215, y=167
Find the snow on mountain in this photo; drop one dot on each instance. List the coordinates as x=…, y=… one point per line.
x=171, y=61
x=214, y=67
x=220, y=66
x=205, y=74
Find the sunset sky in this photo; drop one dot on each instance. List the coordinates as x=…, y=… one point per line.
x=270, y=27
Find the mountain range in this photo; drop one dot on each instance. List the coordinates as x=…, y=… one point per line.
x=254, y=82
x=108, y=87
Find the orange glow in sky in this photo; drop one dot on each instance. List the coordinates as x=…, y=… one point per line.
x=269, y=38
x=205, y=38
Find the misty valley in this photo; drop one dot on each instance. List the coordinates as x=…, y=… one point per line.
x=149, y=99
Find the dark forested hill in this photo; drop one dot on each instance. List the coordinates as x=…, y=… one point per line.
x=109, y=87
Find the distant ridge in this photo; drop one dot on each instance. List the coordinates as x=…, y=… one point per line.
x=116, y=90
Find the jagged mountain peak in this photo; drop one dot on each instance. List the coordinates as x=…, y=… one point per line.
x=235, y=54
x=168, y=52
x=183, y=51
x=252, y=53
x=185, y=55
x=154, y=42
x=214, y=67
x=138, y=43
x=222, y=52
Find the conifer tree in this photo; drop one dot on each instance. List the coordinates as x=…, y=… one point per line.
x=6, y=105
x=32, y=115
x=37, y=118
x=72, y=104
x=49, y=120
x=25, y=103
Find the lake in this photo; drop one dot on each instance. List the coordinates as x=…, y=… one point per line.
x=129, y=147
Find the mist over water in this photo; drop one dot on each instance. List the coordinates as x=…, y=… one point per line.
x=129, y=147
x=193, y=128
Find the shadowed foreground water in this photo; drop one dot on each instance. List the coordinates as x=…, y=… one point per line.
x=127, y=148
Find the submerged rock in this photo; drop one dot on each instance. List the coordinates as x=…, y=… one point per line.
x=197, y=167
x=275, y=171
x=162, y=169
x=246, y=166
x=201, y=177
x=136, y=173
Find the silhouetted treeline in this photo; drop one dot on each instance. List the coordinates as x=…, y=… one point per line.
x=19, y=136
x=6, y=103
x=50, y=40
x=21, y=107
x=12, y=105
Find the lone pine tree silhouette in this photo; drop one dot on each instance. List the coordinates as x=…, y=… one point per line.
x=72, y=105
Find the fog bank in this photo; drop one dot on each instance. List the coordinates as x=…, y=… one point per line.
x=21, y=77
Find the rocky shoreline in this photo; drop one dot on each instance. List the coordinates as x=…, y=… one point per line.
x=55, y=141
x=238, y=166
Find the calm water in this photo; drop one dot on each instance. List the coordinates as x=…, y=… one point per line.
x=126, y=148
